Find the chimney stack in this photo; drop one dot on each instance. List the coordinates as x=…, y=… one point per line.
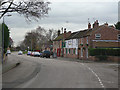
x=96, y=24
x=64, y=33
x=58, y=32
x=64, y=30
x=89, y=25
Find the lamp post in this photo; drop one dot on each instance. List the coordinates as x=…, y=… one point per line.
x=3, y=38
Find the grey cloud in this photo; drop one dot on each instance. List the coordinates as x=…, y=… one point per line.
x=76, y=13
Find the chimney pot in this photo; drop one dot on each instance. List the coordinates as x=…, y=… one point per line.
x=58, y=32
x=96, y=24
x=64, y=30
x=89, y=25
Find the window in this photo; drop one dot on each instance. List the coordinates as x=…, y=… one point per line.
x=87, y=39
x=118, y=36
x=81, y=52
x=97, y=36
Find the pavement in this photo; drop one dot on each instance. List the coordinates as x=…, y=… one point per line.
x=25, y=71
x=9, y=64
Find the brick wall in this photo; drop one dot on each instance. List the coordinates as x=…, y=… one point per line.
x=107, y=33
x=72, y=53
x=109, y=58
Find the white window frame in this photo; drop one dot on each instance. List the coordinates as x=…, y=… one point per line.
x=81, y=52
x=96, y=36
x=87, y=52
x=118, y=36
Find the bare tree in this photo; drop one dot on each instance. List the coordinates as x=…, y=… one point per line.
x=51, y=34
x=31, y=9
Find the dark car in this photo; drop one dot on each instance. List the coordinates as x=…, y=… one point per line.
x=45, y=54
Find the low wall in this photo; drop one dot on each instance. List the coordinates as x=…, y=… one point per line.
x=109, y=58
x=70, y=55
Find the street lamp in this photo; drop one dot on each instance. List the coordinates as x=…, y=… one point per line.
x=28, y=48
x=3, y=38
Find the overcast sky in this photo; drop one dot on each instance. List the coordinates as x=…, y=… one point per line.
x=71, y=14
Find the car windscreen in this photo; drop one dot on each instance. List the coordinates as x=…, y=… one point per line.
x=46, y=51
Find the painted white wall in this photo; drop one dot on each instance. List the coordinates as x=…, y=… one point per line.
x=72, y=43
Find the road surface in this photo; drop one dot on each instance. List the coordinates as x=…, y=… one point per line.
x=36, y=72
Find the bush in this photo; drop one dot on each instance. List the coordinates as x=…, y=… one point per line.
x=104, y=51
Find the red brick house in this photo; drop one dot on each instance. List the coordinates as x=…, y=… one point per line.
x=58, y=42
x=103, y=36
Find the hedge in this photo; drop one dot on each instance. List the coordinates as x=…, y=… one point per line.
x=104, y=51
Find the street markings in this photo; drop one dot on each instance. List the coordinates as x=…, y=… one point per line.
x=96, y=76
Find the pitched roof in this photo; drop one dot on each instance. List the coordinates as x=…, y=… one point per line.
x=60, y=37
x=72, y=35
x=80, y=34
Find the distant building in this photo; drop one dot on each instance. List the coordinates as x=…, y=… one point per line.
x=59, y=42
x=119, y=11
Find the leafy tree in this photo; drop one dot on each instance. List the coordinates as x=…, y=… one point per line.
x=6, y=36
x=31, y=9
x=117, y=25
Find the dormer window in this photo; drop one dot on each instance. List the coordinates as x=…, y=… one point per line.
x=97, y=36
x=118, y=36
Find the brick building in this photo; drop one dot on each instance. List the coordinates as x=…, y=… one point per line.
x=103, y=36
x=58, y=42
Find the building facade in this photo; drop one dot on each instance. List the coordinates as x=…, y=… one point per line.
x=59, y=42
x=103, y=36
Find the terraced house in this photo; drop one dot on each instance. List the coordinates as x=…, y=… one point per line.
x=58, y=42
x=96, y=36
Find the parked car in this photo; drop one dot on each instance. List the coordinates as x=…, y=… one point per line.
x=45, y=54
x=29, y=52
x=32, y=54
x=36, y=54
x=8, y=52
x=20, y=53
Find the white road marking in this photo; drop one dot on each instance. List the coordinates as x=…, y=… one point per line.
x=95, y=75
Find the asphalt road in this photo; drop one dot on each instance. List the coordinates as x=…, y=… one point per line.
x=36, y=72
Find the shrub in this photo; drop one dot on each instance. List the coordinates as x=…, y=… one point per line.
x=104, y=51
